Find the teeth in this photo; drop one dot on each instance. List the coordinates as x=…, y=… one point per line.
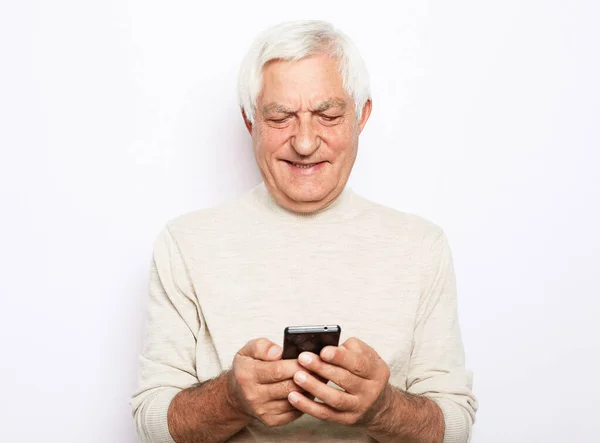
x=303, y=166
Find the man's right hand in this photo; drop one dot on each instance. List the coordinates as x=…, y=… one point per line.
x=259, y=383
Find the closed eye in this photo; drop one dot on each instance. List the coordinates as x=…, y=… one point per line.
x=330, y=118
x=279, y=120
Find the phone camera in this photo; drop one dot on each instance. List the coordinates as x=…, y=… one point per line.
x=325, y=328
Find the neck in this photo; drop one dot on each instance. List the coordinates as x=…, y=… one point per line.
x=338, y=208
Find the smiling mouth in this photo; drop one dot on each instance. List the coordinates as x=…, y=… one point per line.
x=303, y=165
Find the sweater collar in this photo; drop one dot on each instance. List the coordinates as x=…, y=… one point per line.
x=341, y=208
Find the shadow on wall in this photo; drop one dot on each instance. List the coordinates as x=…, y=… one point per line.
x=215, y=151
x=217, y=147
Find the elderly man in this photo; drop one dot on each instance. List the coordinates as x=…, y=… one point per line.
x=303, y=249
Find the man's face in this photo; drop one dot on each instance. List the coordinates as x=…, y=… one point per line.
x=305, y=133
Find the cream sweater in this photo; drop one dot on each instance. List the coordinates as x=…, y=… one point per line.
x=248, y=269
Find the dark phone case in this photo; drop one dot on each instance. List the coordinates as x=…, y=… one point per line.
x=297, y=339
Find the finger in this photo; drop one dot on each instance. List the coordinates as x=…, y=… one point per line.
x=277, y=391
x=320, y=378
x=277, y=407
x=337, y=399
x=361, y=362
x=340, y=376
x=275, y=371
x=319, y=410
x=261, y=349
x=357, y=345
x=282, y=419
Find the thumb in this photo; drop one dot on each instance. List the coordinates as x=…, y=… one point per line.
x=261, y=349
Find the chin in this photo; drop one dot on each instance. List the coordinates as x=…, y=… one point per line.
x=306, y=194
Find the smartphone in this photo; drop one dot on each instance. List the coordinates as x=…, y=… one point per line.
x=298, y=339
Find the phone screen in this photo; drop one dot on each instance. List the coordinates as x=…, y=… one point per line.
x=298, y=339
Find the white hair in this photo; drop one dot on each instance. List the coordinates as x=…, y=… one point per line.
x=297, y=40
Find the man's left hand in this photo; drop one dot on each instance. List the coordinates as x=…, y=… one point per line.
x=353, y=366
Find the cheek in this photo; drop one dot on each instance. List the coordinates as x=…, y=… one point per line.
x=270, y=140
x=341, y=141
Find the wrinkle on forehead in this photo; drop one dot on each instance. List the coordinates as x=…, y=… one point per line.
x=320, y=107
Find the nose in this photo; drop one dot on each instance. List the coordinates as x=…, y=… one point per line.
x=305, y=141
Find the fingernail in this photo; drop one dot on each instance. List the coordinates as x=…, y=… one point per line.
x=274, y=351
x=293, y=397
x=300, y=377
x=305, y=358
x=327, y=354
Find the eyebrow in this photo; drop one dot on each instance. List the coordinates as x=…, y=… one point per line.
x=321, y=107
x=276, y=107
x=331, y=103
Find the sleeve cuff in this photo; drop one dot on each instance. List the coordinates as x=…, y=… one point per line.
x=457, y=424
x=157, y=427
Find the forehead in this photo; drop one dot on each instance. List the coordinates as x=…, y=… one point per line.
x=307, y=81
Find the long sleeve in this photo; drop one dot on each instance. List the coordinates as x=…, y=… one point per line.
x=168, y=360
x=437, y=366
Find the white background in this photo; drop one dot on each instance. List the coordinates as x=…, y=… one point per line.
x=116, y=116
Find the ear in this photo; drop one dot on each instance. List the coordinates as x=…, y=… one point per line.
x=247, y=122
x=366, y=112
